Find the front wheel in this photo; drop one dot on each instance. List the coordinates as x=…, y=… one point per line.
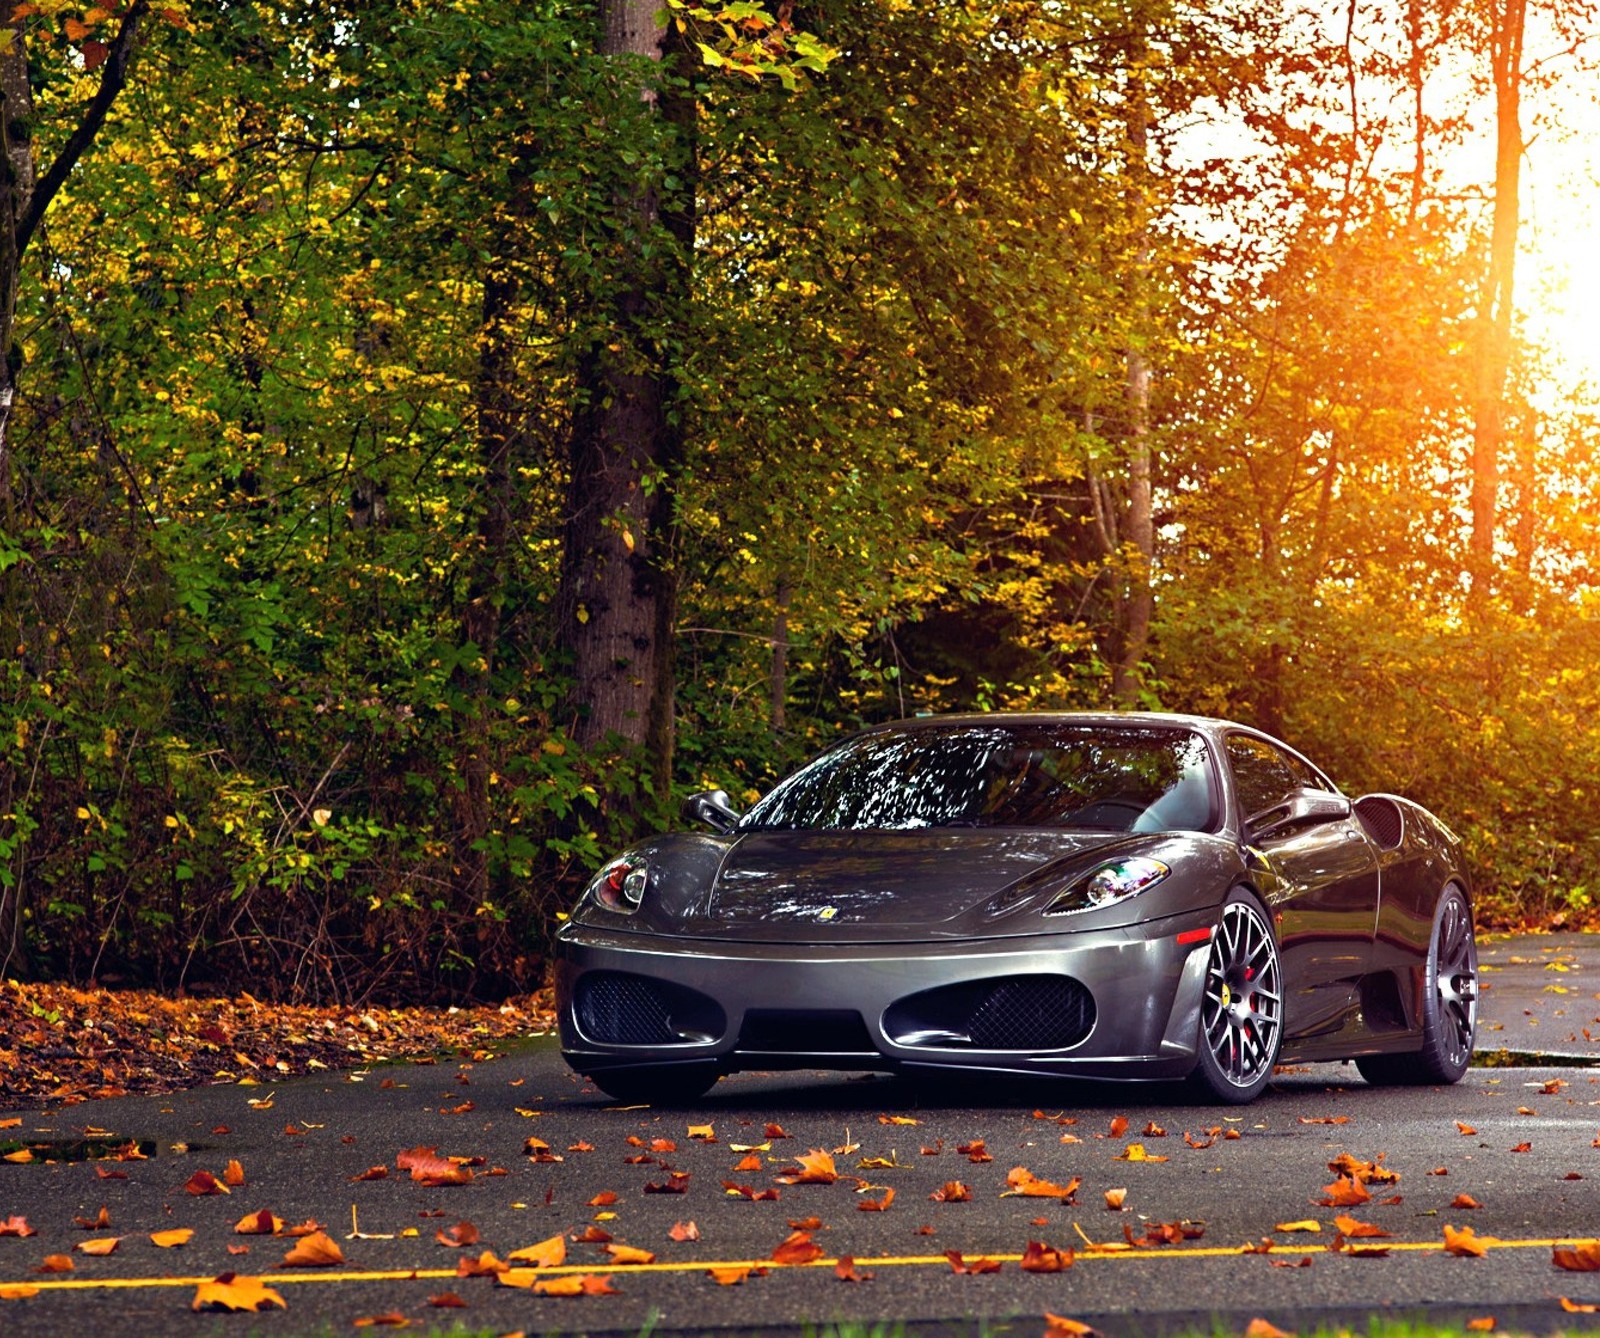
x=1241, y=1011
x=1449, y=1005
x=658, y=1084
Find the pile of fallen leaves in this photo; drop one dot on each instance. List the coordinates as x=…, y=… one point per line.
x=73, y=1044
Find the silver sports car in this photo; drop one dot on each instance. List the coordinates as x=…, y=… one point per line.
x=1094, y=895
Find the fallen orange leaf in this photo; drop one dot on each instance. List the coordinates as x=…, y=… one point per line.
x=959, y=1265
x=1115, y=1198
x=1119, y=1125
x=1345, y=1192
x=233, y=1174
x=169, y=1239
x=629, y=1254
x=229, y=1291
x=484, y=1266
x=749, y=1163
x=1464, y=1201
x=797, y=1248
x=953, y=1191
x=1579, y=1307
x=844, y=1268
x=815, y=1168
x=682, y=1231
x=318, y=1250
x=585, y=1284
x=55, y=1263
x=1583, y=1258
x=1482, y=1324
x=732, y=1275
x=203, y=1182
x=876, y=1205
x=1464, y=1243
x=390, y=1319
x=447, y=1301
x=1057, y=1325
x=1348, y=1226
x=460, y=1235
x=262, y=1223
x=16, y=1226
x=1038, y=1257
x=551, y=1253
x=1023, y=1182
x=17, y=1291
x=104, y=1245
x=1260, y=1328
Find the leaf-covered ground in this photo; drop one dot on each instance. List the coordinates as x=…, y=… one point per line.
x=70, y=1044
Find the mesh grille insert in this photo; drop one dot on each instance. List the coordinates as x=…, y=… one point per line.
x=616, y=1008
x=1019, y=1013
x=1032, y=1014
x=1382, y=819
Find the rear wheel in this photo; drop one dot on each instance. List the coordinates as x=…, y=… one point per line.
x=1449, y=1005
x=1241, y=1011
x=657, y=1085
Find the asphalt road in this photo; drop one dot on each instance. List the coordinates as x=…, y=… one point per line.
x=1527, y=1153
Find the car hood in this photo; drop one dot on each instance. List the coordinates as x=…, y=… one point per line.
x=880, y=886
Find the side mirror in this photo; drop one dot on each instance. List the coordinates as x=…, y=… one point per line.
x=713, y=809
x=1304, y=808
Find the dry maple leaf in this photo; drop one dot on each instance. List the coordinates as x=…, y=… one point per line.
x=1523, y=1147
x=749, y=1163
x=1060, y=1326
x=704, y=1132
x=318, y=1250
x=1119, y=1126
x=1260, y=1328
x=682, y=1231
x=168, y=1240
x=805, y=1224
x=103, y=1245
x=1136, y=1152
x=1345, y=1192
x=1464, y=1243
x=677, y=1182
x=1201, y=1143
x=733, y=1275
x=389, y=1319
x=960, y=1265
x=1348, y=1226
x=974, y=1152
x=233, y=1174
x=1481, y=1324
x=203, y=1182
x=775, y=1131
x=797, y=1248
x=1024, y=1183
x=1115, y=1198
x=551, y=1253
x=17, y=1291
x=229, y=1291
x=55, y=1263
x=1579, y=1307
x=1464, y=1201
x=484, y=1266
x=459, y=1236
x=1303, y=1262
x=1467, y=1131
x=749, y=1191
x=447, y=1301
x=844, y=1268
x=897, y=1119
x=593, y=1235
x=1582, y=1258
x=101, y=1221
x=583, y=1284
x=373, y=1173
x=815, y=1168
x=262, y=1223
x=1367, y=1172
x=1324, y=1119
x=1038, y=1257
x=604, y=1199
x=876, y=1205
x=1304, y=1224
x=628, y=1254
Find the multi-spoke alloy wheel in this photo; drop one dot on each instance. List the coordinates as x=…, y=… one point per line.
x=1449, y=1004
x=1241, y=1012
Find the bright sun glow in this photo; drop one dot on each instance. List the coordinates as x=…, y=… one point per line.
x=1559, y=286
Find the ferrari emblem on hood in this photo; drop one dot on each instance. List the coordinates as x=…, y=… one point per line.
x=827, y=912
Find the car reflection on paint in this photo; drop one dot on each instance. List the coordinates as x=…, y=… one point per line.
x=1094, y=895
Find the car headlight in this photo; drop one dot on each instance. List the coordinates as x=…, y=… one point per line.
x=1110, y=882
x=620, y=885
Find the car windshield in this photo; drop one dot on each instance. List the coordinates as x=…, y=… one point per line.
x=1124, y=778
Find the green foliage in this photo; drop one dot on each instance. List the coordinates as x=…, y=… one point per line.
x=251, y=734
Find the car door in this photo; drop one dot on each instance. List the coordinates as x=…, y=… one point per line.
x=1323, y=881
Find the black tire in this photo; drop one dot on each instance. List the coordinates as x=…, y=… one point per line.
x=1241, y=1007
x=1449, y=1005
x=657, y=1085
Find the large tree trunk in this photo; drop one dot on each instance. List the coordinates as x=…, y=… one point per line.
x=1495, y=305
x=618, y=590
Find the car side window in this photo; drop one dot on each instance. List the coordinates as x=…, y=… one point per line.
x=1264, y=775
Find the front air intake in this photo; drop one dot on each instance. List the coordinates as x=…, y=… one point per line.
x=1020, y=1013
x=616, y=1008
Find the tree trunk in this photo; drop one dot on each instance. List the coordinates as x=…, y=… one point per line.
x=618, y=584
x=780, y=660
x=1495, y=305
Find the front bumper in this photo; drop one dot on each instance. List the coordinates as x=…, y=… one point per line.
x=886, y=1006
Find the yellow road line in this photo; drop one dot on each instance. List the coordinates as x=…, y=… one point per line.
x=702, y=1265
